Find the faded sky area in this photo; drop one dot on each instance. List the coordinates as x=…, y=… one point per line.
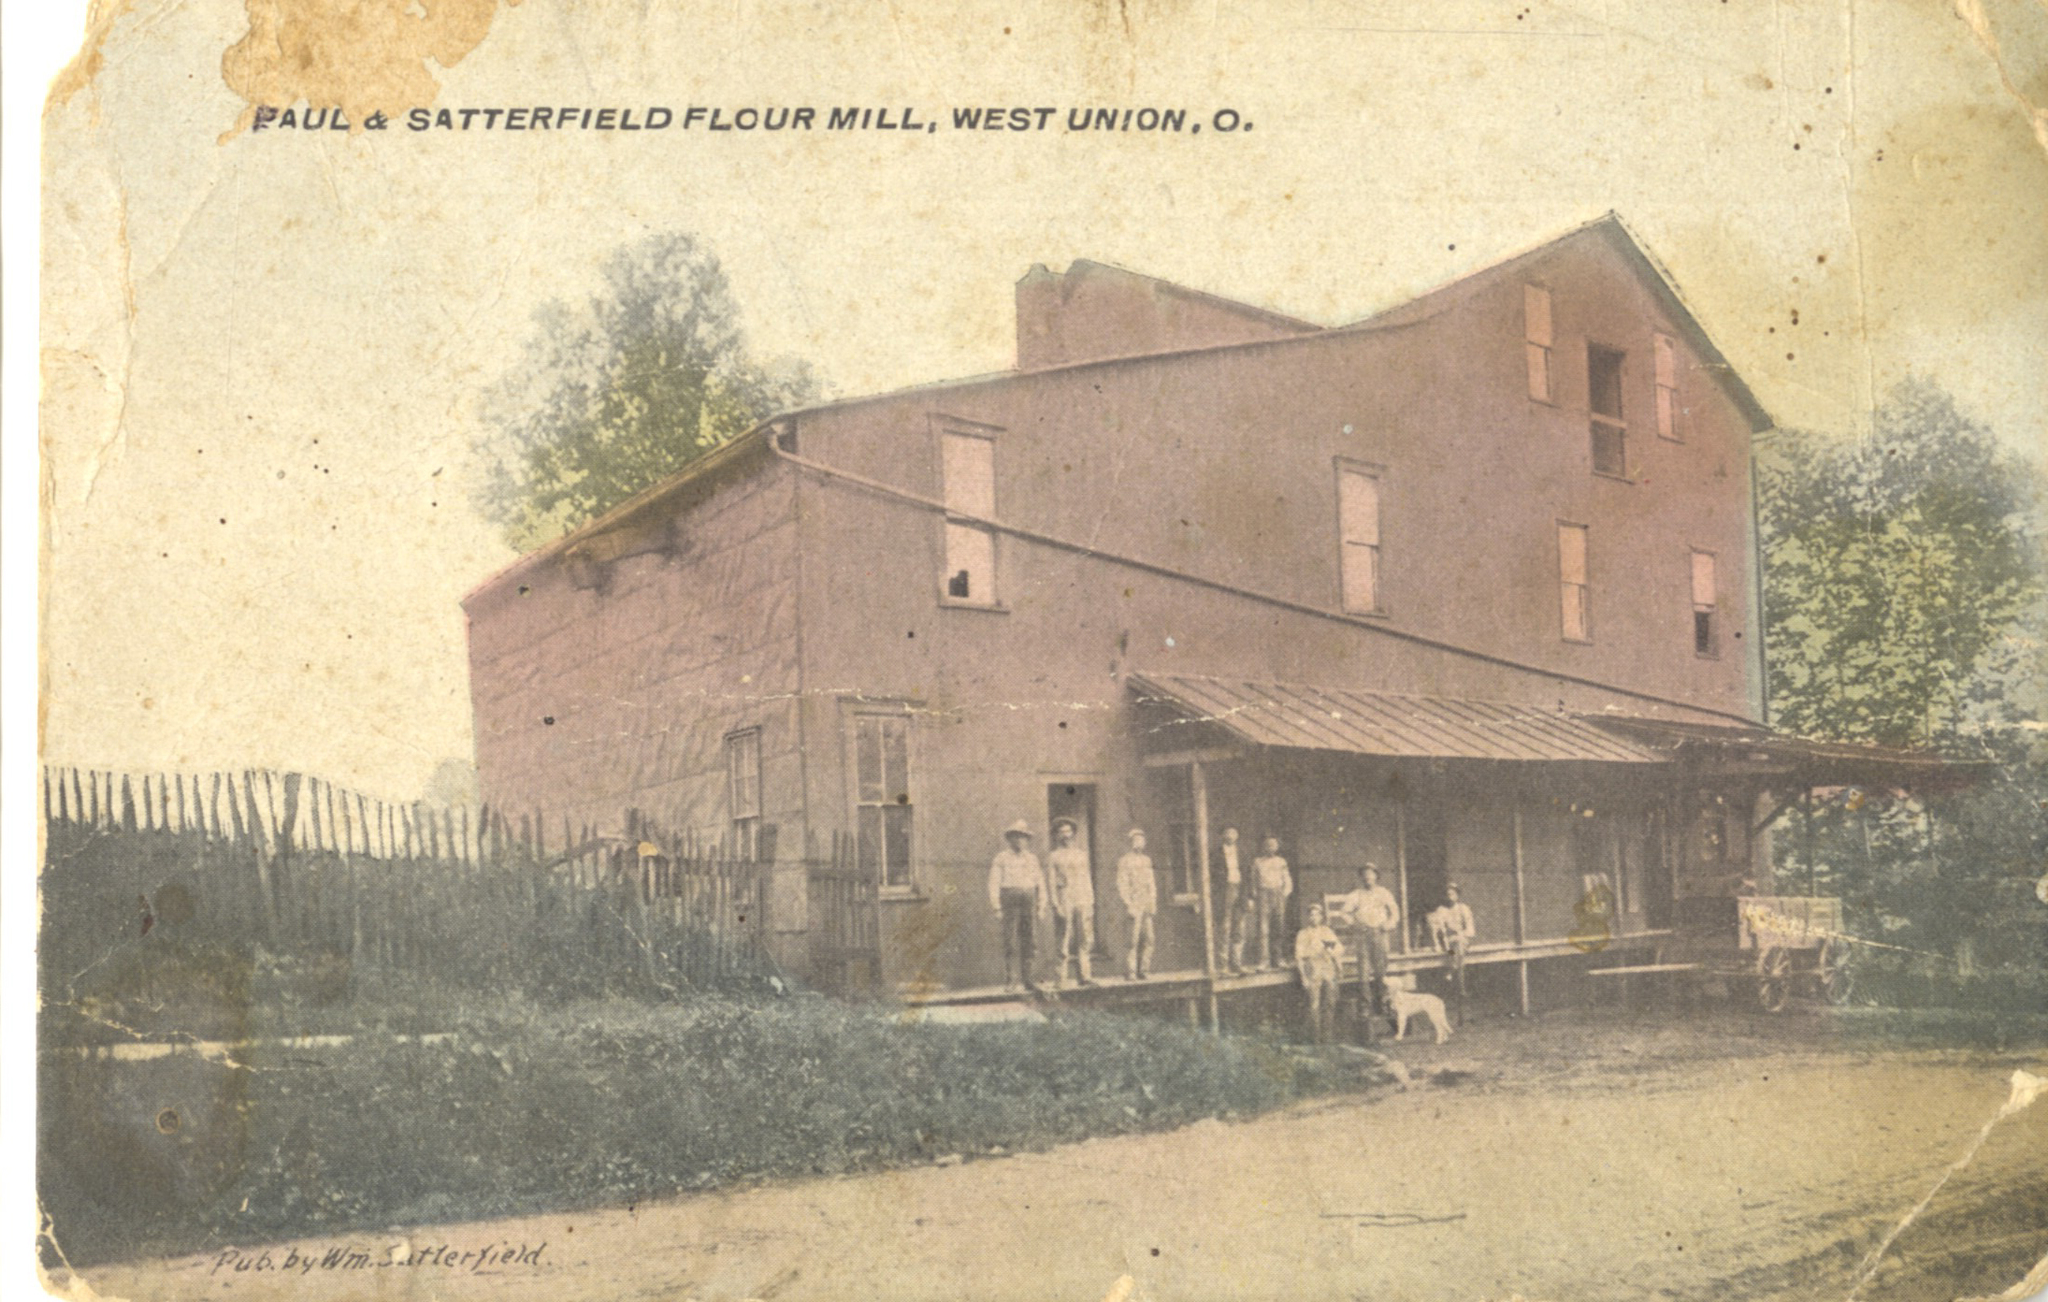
x=263, y=350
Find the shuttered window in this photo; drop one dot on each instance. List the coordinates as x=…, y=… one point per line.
x=968, y=464
x=1669, y=416
x=1536, y=339
x=1575, y=594
x=1358, y=527
x=1706, y=631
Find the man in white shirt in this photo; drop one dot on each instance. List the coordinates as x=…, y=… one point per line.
x=1230, y=933
x=1372, y=909
x=1139, y=889
x=1016, y=894
x=1319, y=958
x=1073, y=902
x=1453, y=928
x=1275, y=882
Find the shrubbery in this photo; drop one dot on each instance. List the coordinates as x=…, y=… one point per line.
x=598, y=1104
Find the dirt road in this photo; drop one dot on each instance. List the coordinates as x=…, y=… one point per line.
x=1575, y=1163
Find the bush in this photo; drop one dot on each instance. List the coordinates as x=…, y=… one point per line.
x=597, y=1104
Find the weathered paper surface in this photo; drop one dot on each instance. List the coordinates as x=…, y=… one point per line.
x=264, y=349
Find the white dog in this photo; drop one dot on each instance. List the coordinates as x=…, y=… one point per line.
x=1408, y=1002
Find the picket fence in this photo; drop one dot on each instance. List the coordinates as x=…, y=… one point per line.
x=332, y=884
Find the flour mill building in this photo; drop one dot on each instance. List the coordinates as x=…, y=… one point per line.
x=1467, y=590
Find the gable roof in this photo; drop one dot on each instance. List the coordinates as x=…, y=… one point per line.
x=1611, y=230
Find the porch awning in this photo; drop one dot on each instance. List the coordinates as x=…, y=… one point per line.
x=1384, y=723
x=1780, y=759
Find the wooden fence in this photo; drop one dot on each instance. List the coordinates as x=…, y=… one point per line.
x=329, y=884
x=845, y=940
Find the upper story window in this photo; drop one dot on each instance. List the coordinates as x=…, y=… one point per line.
x=1603, y=398
x=968, y=465
x=883, y=810
x=1576, y=595
x=1536, y=339
x=1706, y=621
x=1668, y=413
x=743, y=791
x=1358, y=537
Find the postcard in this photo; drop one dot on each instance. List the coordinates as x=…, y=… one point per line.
x=1357, y=648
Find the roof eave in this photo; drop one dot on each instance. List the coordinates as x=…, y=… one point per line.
x=721, y=458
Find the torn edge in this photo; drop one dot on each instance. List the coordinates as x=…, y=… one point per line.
x=1973, y=15
x=2026, y=1088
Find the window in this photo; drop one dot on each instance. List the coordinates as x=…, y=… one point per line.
x=1358, y=531
x=1668, y=413
x=743, y=791
x=1576, y=596
x=882, y=808
x=1603, y=396
x=968, y=462
x=1706, y=631
x=1536, y=339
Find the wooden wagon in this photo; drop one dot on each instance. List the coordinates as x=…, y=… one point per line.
x=1771, y=946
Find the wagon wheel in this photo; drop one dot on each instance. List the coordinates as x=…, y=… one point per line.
x=1837, y=982
x=1773, y=978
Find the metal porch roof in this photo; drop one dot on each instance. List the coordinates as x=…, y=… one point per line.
x=1808, y=759
x=1386, y=723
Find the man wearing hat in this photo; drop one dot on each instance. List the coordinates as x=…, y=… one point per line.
x=1016, y=893
x=1231, y=936
x=1452, y=927
x=1372, y=909
x=1140, y=892
x=1073, y=901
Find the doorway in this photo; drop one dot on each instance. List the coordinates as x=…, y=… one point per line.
x=1428, y=868
x=1076, y=801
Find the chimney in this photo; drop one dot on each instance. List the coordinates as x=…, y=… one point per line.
x=1038, y=316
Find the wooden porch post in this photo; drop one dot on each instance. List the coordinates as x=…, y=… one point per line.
x=1618, y=825
x=1198, y=783
x=1521, y=908
x=1806, y=835
x=1401, y=867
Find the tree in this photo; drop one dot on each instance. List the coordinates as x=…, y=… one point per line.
x=615, y=395
x=1896, y=570
x=1904, y=601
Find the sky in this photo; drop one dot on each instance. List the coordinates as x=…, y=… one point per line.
x=263, y=350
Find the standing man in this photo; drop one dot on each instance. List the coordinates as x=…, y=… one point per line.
x=1073, y=901
x=1275, y=882
x=1453, y=928
x=1016, y=893
x=1372, y=910
x=1319, y=957
x=1140, y=892
x=1231, y=938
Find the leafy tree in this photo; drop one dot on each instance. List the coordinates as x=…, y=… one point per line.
x=1904, y=597
x=1896, y=569
x=618, y=393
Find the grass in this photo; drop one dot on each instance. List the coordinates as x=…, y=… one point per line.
x=538, y=1109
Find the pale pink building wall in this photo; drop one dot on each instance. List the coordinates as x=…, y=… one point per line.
x=613, y=687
